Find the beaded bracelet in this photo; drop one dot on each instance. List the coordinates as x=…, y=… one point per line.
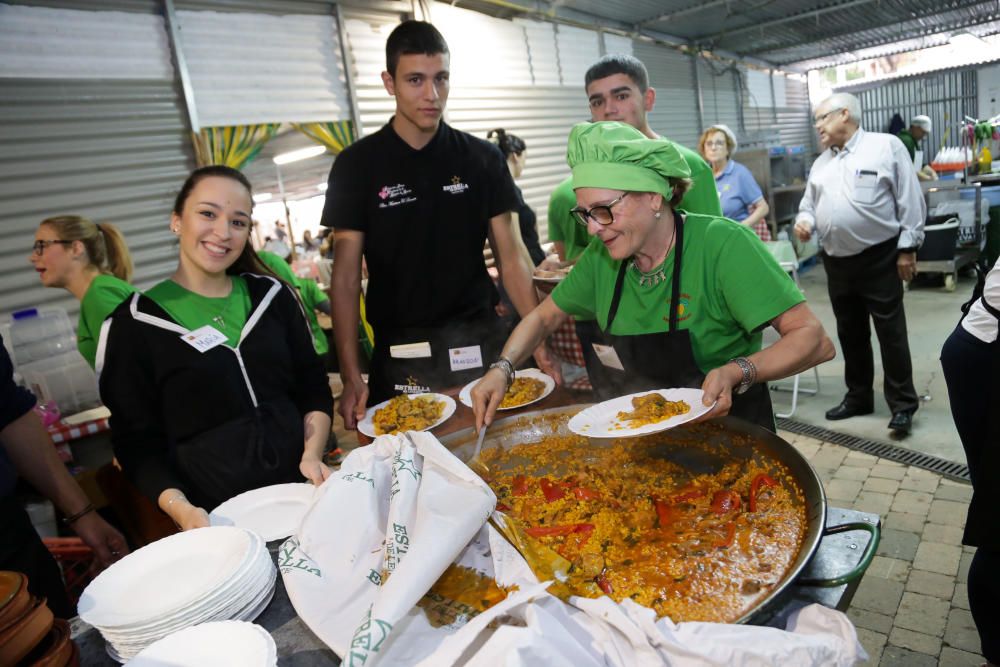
x=79, y=515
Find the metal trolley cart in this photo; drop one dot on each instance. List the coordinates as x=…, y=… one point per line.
x=953, y=234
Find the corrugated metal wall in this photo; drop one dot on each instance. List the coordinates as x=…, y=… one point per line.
x=113, y=148
x=120, y=147
x=718, y=93
x=675, y=114
x=281, y=69
x=788, y=122
x=944, y=96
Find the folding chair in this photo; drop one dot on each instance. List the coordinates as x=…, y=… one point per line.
x=784, y=253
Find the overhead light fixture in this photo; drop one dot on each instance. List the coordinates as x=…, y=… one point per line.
x=322, y=186
x=966, y=40
x=261, y=197
x=301, y=154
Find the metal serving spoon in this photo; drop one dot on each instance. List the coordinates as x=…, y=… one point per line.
x=476, y=463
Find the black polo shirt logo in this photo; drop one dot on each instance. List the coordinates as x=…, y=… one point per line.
x=457, y=187
x=395, y=195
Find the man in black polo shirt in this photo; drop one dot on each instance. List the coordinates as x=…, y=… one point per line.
x=418, y=199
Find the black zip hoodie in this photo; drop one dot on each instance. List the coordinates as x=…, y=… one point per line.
x=212, y=424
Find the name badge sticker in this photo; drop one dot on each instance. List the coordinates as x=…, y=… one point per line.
x=205, y=338
x=410, y=351
x=608, y=356
x=464, y=358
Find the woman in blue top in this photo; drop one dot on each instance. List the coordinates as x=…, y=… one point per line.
x=739, y=193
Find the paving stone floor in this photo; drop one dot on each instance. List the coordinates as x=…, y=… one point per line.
x=911, y=608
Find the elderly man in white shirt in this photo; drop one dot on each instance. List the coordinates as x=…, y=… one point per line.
x=864, y=202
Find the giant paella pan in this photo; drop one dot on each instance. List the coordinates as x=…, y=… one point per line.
x=705, y=522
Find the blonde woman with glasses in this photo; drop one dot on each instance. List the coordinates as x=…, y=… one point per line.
x=739, y=194
x=92, y=262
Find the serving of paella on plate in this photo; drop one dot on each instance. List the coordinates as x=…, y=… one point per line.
x=647, y=519
x=407, y=412
x=530, y=386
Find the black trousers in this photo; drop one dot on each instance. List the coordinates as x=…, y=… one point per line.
x=984, y=591
x=21, y=550
x=866, y=288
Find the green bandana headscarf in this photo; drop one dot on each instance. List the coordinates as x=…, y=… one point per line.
x=616, y=156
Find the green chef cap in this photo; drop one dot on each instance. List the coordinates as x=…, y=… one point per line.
x=616, y=156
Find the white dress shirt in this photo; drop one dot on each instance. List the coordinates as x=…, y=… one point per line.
x=864, y=194
x=980, y=322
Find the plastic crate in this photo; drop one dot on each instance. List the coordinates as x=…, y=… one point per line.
x=76, y=560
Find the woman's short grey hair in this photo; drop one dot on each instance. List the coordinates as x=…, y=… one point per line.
x=845, y=101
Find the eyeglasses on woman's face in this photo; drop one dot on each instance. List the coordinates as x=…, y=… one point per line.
x=38, y=247
x=601, y=213
x=717, y=143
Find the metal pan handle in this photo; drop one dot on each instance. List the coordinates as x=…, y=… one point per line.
x=866, y=556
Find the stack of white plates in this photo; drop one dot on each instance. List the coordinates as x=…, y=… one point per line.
x=220, y=644
x=202, y=575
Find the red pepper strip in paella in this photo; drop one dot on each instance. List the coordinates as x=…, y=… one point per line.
x=550, y=490
x=730, y=534
x=520, y=486
x=502, y=508
x=755, y=486
x=689, y=492
x=725, y=500
x=584, y=493
x=664, y=513
x=552, y=531
x=604, y=584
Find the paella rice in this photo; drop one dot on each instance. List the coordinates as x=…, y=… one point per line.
x=652, y=409
x=522, y=390
x=404, y=413
x=638, y=524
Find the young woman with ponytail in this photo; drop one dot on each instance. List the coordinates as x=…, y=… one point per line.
x=91, y=261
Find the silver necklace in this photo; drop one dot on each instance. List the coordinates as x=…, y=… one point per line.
x=657, y=275
x=653, y=278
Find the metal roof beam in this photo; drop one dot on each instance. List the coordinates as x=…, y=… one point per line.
x=811, y=13
x=833, y=59
x=910, y=33
x=692, y=9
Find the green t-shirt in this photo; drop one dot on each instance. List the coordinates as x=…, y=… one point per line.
x=192, y=311
x=703, y=198
x=104, y=295
x=909, y=142
x=312, y=296
x=730, y=287
x=309, y=291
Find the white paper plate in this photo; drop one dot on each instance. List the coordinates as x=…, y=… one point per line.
x=465, y=396
x=273, y=512
x=165, y=576
x=367, y=427
x=601, y=420
x=212, y=645
x=549, y=276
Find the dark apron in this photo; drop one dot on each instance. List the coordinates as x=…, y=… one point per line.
x=391, y=375
x=665, y=359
